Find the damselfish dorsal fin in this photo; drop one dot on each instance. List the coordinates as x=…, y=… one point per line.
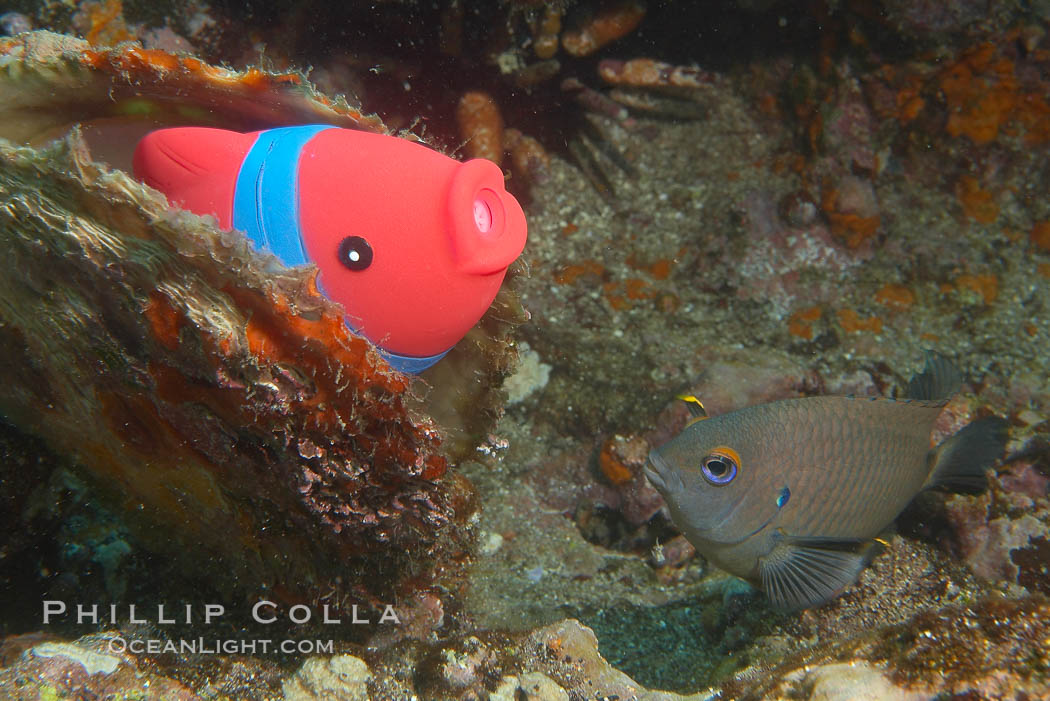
x=960, y=461
x=801, y=573
x=939, y=379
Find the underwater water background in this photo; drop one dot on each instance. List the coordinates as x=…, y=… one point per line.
x=742, y=201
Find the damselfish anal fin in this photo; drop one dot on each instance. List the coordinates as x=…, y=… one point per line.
x=960, y=461
x=802, y=573
x=939, y=379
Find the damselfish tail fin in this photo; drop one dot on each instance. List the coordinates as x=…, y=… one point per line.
x=960, y=461
x=938, y=380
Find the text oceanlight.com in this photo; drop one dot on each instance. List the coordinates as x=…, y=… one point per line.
x=205, y=646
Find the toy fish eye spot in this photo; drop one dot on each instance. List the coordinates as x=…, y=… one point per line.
x=355, y=253
x=721, y=466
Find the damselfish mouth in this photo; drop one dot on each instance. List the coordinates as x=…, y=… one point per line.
x=659, y=469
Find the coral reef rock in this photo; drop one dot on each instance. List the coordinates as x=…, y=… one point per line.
x=342, y=677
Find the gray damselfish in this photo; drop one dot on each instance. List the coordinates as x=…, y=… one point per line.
x=793, y=495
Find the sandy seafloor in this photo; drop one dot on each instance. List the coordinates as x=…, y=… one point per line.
x=723, y=266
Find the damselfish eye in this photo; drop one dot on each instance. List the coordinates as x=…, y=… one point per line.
x=355, y=253
x=720, y=467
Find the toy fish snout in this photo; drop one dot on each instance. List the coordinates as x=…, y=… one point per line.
x=488, y=227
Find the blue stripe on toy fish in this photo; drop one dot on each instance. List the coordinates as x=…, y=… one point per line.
x=266, y=197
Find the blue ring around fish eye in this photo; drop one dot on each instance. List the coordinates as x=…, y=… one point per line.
x=355, y=253
x=718, y=469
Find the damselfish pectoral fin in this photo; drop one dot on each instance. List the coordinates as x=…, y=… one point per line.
x=806, y=572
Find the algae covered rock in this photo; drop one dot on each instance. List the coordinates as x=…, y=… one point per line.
x=342, y=677
x=85, y=668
